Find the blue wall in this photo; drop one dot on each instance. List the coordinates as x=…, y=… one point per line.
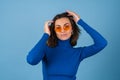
x=21, y=26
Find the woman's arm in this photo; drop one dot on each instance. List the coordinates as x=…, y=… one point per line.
x=99, y=41
x=38, y=51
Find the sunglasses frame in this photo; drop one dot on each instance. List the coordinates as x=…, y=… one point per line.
x=65, y=28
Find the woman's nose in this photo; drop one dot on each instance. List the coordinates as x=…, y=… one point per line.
x=62, y=30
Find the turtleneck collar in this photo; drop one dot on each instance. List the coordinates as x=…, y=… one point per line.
x=64, y=43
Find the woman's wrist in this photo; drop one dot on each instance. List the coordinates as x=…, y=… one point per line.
x=47, y=33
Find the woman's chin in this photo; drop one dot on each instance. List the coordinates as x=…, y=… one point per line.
x=64, y=37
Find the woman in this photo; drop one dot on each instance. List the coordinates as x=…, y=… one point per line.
x=60, y=60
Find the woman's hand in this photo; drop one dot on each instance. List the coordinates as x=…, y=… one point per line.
x=46, y=27
x=76, y=17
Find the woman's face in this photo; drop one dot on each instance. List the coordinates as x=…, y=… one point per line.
x=63, y=28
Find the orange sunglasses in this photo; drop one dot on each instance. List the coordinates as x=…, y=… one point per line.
x=65, y=28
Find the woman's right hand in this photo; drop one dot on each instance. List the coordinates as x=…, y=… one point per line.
x=46, y=27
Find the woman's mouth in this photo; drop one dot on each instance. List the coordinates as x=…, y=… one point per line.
x=63, y=34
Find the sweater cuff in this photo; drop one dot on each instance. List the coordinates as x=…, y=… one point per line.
x=45, y=35
x=80, y=21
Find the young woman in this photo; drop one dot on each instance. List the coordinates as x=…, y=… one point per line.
x=60, y=60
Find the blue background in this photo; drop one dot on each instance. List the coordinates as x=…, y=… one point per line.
x=21, y=27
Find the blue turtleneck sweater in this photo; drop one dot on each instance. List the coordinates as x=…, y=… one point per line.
x=62, y=61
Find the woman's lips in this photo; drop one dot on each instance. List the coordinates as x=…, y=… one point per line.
x=63, y=34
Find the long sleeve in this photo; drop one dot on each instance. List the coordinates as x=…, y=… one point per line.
x=99, y=41
x=38, y=51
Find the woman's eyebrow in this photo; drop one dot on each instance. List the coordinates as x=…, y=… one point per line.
x=60, y=25
x=66, y=23
x=57, y=25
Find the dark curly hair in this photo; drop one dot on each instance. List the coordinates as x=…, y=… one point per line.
x=53, y=40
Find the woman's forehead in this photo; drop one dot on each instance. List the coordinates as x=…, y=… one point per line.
x=62, y=21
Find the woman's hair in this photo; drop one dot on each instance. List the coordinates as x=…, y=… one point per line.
x=53, y=40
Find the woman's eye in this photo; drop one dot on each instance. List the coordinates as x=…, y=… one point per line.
x=66, y=27
x=58, y=29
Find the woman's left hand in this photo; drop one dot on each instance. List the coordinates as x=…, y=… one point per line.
x=76, y=17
